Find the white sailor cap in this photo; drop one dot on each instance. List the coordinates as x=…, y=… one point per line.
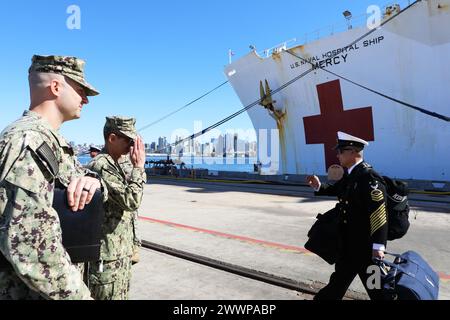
x=93, y=148
x=347, y=140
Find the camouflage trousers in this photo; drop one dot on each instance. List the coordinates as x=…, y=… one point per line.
x=135, y=258
x=13, y=288
x=110, y=281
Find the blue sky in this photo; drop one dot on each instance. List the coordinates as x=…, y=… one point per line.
x=148, y=58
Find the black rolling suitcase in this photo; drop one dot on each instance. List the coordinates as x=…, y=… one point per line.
x=410, y=277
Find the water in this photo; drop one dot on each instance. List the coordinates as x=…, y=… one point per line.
x=210, y=163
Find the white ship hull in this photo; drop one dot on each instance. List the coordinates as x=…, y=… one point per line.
x=408, y=59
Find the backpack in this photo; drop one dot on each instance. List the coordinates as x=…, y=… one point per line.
x=397, y=206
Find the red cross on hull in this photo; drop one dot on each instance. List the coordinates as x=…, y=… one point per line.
x=323, y=128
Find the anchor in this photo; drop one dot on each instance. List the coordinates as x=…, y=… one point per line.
x=268, y=103
x=280, y=117
x=266, y=96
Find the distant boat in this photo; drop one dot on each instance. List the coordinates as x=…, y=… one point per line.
x=408, y=59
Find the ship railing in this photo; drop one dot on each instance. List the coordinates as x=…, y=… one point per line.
x=278, y=48
x=353, y=22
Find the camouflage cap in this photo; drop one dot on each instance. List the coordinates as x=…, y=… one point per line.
x=71, y=67
x=122, y=125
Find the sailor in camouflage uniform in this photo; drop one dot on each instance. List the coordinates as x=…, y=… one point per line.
x=363, y=225
x=109, y=278
x=33, y=158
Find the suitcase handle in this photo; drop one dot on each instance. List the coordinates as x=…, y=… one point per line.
x=388, y=263
x=393, y=254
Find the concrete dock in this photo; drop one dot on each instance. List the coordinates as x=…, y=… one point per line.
x=261, y=227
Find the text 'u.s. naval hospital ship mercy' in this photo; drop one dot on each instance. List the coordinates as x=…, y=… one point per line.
x=388, y=85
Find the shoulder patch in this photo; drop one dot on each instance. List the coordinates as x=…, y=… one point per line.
x=46, y=154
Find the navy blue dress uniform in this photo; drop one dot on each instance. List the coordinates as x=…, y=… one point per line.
x=362, y=223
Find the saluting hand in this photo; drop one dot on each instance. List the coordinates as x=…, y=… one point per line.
x=137, y=153
x=313, y=182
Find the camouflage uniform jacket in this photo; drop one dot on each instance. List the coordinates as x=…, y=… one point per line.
x=124, y=198
x=30, y=231
x=127, y=167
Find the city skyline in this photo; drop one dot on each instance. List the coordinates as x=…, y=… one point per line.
x=227, y=144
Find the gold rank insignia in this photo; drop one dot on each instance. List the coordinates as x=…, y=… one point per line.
x=377, y=195
x=378, y=219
